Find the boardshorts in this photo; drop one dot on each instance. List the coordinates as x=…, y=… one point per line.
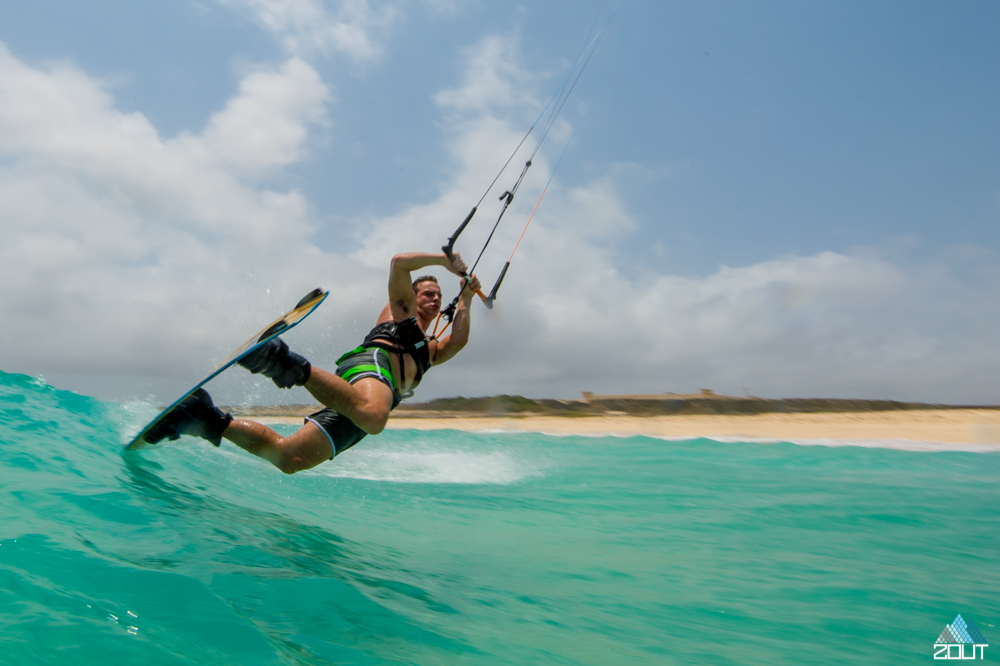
x=353, y=366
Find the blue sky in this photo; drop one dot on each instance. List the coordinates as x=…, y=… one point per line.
x=783, y=199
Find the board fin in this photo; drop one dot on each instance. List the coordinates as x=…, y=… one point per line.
x=312, y=295
x=276, y=327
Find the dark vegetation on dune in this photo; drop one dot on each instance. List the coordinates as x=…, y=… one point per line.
x=705, y=402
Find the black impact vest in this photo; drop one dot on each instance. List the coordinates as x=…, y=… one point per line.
x=405, y=337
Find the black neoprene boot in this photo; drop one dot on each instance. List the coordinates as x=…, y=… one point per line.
x=196, y=416
x=273, y=359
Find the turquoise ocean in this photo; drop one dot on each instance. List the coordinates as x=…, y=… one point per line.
x=446, y=547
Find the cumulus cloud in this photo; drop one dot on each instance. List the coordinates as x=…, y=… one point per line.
x=355, y=28
x=265, y=126
x=493, y=80
x=828, y=325
x=480, y=134
x=125, y=252
x=568, y=319
x=132, y=254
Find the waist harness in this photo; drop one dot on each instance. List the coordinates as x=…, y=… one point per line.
x=405, y=337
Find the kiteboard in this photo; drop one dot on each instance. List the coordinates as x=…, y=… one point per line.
x=289, y=320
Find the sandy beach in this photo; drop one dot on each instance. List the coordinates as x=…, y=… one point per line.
x=957, y=426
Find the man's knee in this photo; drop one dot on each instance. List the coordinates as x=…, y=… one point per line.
x=375, y=423
x=291, y=465
x=372, y=418
x=304, y=450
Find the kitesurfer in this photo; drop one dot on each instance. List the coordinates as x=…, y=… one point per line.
x=370, y=381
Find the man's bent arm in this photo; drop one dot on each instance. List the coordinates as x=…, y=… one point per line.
x=450, y=345
x=401, y=297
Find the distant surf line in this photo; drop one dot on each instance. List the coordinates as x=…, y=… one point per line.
x=899, y=444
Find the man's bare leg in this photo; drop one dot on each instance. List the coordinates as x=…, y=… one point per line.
x=367, y=402
x=304, y=449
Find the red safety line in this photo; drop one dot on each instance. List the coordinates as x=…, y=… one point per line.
x=527, y=223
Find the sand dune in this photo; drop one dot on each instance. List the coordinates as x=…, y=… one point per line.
x=958, y=426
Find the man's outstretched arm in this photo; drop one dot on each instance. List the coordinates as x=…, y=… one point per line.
x=451, y=344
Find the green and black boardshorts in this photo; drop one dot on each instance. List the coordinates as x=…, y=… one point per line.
x=353, y=366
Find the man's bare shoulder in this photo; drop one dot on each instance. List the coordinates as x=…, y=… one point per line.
x=385, y=315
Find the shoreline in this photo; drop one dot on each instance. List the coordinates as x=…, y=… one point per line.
x=950, y=426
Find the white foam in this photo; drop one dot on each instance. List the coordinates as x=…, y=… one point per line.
x=441, y=466
x=134, y=416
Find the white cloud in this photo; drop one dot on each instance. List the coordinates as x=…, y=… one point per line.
x=265, y=126
x=480, y=136
x=493, y=80
x=825, y=325
x=354, y=28
x=568, y=319
x=126, y=252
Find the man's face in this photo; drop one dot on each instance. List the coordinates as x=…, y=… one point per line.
x=428, y=298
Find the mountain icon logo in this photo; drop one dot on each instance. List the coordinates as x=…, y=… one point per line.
x=952, y=642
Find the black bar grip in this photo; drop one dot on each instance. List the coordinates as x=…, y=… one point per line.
x=493, y=294
x=447, y=249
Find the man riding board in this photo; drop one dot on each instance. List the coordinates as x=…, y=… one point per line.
x=370, y=381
